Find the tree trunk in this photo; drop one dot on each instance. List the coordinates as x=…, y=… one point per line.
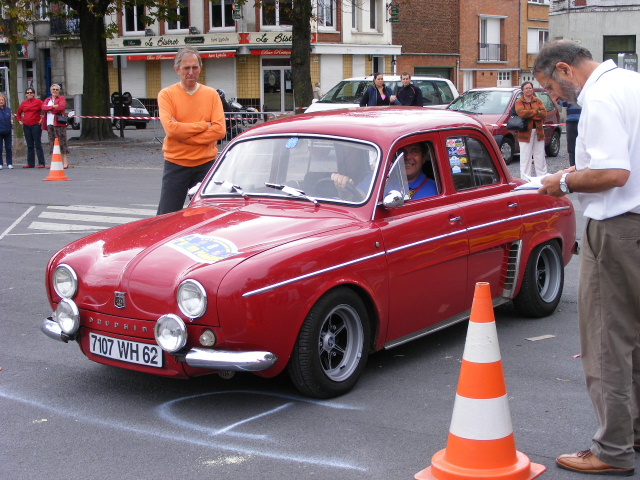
x=301, y=54
x=95, y=87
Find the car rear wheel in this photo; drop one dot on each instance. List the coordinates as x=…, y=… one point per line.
x=332, y=347
x=553, y=148
x=542, y=283
x=507, y=147
x=116, y=124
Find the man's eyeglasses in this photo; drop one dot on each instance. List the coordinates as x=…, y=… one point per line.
x=30, y=93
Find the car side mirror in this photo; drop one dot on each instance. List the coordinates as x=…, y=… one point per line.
x=393, y=199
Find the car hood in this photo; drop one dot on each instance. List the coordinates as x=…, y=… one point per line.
x=148, y=259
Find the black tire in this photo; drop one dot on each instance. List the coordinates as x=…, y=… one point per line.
x=332, y=347
x=542, y=283
x=141, y=126
x=75, y=125
x=553, y=148
x=508, y=149
x=116, y=124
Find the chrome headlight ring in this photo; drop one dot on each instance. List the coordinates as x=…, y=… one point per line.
x=67, y=317
x=65, y=281
x=192, y=299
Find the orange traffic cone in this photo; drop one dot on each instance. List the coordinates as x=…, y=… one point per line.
x=56, y=172
x=481, y=443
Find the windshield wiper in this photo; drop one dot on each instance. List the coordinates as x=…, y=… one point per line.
x=294, y=192
x=230, y=186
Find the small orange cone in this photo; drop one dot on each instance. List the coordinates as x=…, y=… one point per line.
x=56, y=172
x=481, y=443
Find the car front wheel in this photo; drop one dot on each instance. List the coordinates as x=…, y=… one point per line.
x=332, y=347
x=507, y=147
x=542, y=283
x=553, y=148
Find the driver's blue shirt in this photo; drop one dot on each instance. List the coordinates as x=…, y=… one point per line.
x=422, y=187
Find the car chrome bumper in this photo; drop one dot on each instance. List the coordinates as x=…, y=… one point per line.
x=196, y=357
x=52, y=330
x=230, y=360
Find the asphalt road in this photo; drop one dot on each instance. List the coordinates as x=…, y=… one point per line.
x=65, y=417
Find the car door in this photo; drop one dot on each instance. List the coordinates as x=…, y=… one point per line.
x=488, y=207
x=426, y=248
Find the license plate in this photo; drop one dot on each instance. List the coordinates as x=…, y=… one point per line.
x=125, y=350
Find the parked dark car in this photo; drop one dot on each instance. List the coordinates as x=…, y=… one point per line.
x=493, y=107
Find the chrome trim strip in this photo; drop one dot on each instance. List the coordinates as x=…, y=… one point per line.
x=311, y=274
x=398, y=249
x=230, y=360
x=426, y=240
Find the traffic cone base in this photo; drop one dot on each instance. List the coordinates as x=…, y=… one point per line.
x=521, y=469
x=481, y=443
x=56, y=172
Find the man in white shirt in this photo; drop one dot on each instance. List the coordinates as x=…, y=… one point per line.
x=606, y=178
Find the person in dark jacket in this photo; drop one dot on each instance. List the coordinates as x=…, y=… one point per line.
x=6, y=124
x=573, y=116
x=377, y=94
x=409, y=95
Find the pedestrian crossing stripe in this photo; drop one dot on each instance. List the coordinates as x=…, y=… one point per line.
x=85, y=218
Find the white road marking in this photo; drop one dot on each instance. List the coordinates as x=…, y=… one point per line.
x=65, y=227
x=114, y=210
x=87, y=218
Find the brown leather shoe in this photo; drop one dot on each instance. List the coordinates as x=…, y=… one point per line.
x=587, y=462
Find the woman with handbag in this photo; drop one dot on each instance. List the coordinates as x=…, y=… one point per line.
x=55, y=122
x=532, y=110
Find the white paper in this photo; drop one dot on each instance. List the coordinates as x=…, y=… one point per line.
x=534, y=183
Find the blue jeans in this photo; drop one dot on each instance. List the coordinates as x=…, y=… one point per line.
x=33, y=135
x=5, y=138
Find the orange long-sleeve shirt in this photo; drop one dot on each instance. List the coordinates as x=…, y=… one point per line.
x=193, y=124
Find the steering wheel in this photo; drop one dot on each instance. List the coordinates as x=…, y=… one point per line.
x=325, y=187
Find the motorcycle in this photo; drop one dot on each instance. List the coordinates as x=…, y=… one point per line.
x=236, y=124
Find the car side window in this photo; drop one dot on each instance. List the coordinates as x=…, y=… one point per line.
x=445, y=92
x=471, y=163
x=429, y=92
x=547, y=100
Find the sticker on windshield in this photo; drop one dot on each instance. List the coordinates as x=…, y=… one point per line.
x=292, y=142
x=202, y=248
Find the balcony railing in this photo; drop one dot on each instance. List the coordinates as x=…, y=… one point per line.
x=492, y=52
x=65, y=26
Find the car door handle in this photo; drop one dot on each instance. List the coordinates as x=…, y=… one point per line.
x=513, y=205
x=456, y=219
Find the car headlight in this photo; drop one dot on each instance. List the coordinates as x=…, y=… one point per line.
x=171, y=333
x=192, y=299
x=65, y=281
x=67, y=316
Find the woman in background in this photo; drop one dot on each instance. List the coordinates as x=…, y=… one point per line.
x=53, y=106
x=531, y=141
x=6, y=124
x=377, y=94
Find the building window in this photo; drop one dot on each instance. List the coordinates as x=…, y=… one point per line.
x=536, y=39
x=373, y=18
x=42, y=10
x=613, y=45
x=355, y=25
x=277, y=12
x=181, y=20
x=542, y=2
x=326, y=13
x=222, y=14
x=490, y=47
x=134, y=19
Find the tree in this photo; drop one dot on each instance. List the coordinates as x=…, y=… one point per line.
x=301, y=52
x=93, y=36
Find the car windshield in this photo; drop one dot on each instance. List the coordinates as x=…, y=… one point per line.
x=296, y=167
x=483, y=102
x=346, y=92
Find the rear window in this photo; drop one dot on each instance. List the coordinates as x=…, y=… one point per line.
x=434, y=92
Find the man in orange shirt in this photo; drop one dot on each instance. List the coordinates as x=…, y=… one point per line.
x=193, y=120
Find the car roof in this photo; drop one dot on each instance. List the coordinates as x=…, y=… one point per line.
x=382, y=125
x=394, y=77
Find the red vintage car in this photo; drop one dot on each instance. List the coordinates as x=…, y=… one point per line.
x=304, y=250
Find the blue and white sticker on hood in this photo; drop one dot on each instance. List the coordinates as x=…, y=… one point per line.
x=204, y=249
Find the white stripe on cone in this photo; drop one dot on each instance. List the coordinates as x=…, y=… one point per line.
x=56, y=161
x=481, y=419
x=482, y=343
